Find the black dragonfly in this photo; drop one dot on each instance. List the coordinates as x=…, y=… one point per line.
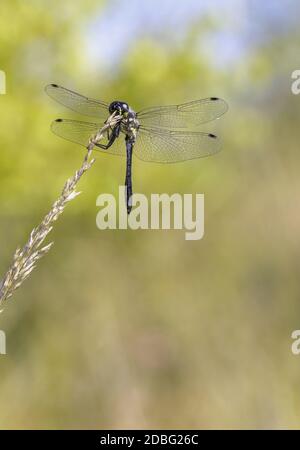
x=158, y=134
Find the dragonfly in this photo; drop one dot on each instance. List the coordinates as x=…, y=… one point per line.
x=161, y=134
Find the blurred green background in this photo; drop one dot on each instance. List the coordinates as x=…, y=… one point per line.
x=137, y=329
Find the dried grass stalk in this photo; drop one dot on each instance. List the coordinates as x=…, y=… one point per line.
x=25, y=259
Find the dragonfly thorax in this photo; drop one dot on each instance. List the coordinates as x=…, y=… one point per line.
x=130, y=124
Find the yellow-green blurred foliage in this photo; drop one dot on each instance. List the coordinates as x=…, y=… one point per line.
x=142, y=328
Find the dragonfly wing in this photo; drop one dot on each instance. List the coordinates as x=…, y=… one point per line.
x=162, y=146
x=76, y=102
x=186, y=115
x=81, y=132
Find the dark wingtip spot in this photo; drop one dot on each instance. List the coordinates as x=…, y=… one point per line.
x=54, y=85
x=214, y=98
x=212, y=136
x=58, y=120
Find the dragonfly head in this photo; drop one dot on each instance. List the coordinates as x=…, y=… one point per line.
x=121, y=107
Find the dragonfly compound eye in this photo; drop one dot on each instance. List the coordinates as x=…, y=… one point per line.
x=120, y=107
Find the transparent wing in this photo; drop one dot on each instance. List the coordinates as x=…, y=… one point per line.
x=76, y=102
x=187, y=115
x=81, y=132
x=163, y=146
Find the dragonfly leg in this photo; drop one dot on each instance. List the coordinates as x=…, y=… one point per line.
x=111, y=139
